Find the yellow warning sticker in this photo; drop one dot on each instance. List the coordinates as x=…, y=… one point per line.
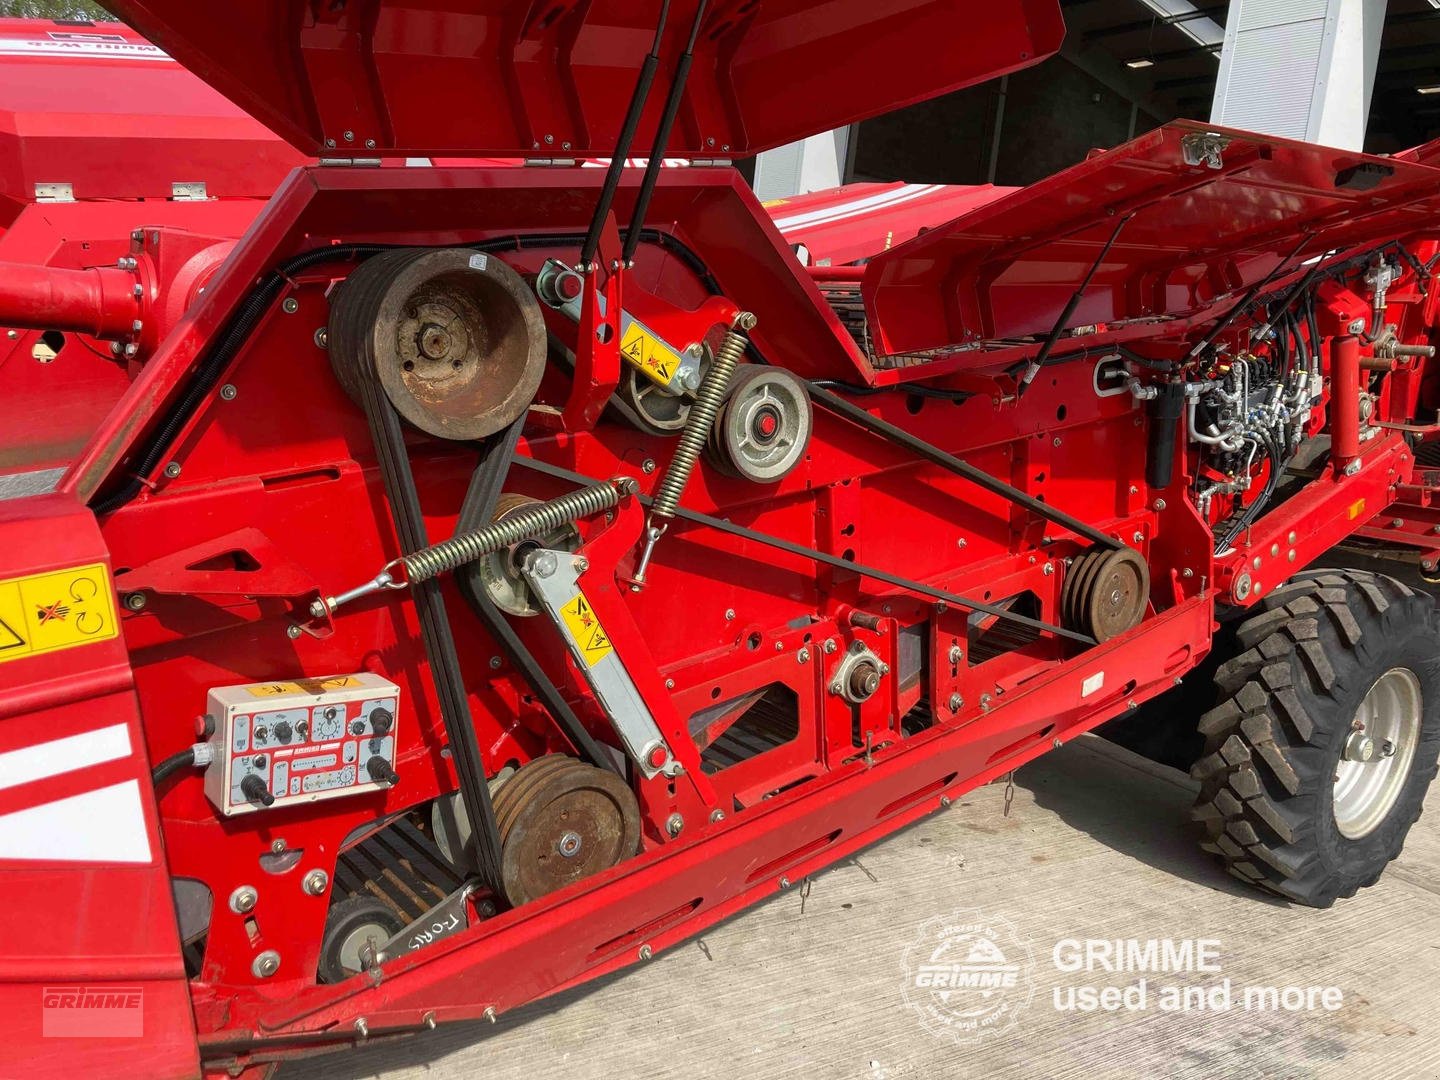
x=306, y=686
x=585, y=629
x=1356, y=509
x=60, y=610
x=648, y=353
x=768, y=203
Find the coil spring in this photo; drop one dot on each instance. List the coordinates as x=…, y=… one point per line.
x=708, y=400
x=531, y=521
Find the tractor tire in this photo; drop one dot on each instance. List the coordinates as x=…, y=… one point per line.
x=1286, y=800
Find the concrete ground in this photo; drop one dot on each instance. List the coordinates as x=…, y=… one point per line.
x=813, y=983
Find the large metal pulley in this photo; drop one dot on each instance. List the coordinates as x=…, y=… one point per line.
x=1105, y=593
x=454, y=336
x=562, y=820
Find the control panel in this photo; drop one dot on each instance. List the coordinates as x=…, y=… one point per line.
x=282, y=743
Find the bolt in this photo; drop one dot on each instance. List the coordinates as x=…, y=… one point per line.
x=228, y=392
x=717, y=815
x=1138, y=537
x=674, y=824
x=486, y=908
x=944, y=802
x=322, y=338
x=1290, y=555
x=830, y=646
x=429, y=1018
x=315, y=882
x=292, y=631
x=729, y=614
x=1274, y=550
x=1395, y=523
x=1159, y=505
x=290, y=306
x=803, y=656
x=1187, y=573
x=647, y=466
x=495, y=663
x=956, y=654
x=135, y=601
x=242, y=900
x=779, y=646
x=362, y=1028
x=1055, y=441
x=266, y=964
x=277, y=846
x=1049, y=569
x=172, y=470
x=669, y=684
x=645, y=952
x=569, y=844
x=784, y=883
x=12, y=334
x=956, y=703
x=1055, y=744
x=489, y=1013
x=370, y=145
x=330, y=144
x=349, y=136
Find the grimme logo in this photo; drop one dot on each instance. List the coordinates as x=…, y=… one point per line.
x=968, y=975
x=92, y=1012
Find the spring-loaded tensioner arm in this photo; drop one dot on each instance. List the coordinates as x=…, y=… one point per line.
x=466, y=547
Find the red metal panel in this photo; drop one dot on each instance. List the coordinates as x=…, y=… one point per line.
x=1197, y=234
x=461, y=77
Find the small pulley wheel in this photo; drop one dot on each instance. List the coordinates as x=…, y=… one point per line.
x=560, y=821
x=763, y=430
x=500, y=572
x=355, y=930
x=650, y=408
x=454, y=337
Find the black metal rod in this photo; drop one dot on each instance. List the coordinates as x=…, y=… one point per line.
x=622, y=143
x=731, y=529
x=1033, y=368
x=662, y=137
x=979, y=477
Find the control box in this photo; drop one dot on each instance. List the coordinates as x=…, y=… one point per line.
x=284, y=743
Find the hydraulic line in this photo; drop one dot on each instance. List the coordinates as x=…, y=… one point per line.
x=698, y=423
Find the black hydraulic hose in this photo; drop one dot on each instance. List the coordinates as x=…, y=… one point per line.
x=622, y=143
x=173, y=764
x=662, y=137
x=235, y=334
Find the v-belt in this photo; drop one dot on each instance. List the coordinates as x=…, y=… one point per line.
x=877, y=574
x=890, y=433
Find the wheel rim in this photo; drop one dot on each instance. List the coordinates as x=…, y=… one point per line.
x=1375, y=762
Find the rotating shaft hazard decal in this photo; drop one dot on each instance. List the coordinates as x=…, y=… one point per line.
x=585, y=629
x=652, y=356
x=60, y=610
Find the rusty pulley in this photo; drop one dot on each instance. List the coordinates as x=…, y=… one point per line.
x=454, y=336
x=562, y=820
x=1105, y=592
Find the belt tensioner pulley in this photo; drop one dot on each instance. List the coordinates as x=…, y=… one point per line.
x=500, y=570
x=1105, y=592
x=454, y=336
x=763, y=429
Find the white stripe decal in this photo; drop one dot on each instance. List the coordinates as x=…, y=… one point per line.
x=107, y=825
x=884, y=200
x=129, y=50
x=63, y=755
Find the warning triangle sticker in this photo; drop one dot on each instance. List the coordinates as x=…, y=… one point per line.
x=10, y=637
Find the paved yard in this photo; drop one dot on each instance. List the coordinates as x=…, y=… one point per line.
x=1094, y=848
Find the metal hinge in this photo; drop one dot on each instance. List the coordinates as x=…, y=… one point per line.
x=1204, y=148
x=549, y=162
x=352, y=162
x=188, y=191
x=54, y=193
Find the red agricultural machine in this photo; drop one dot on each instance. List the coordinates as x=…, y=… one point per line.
x=496, y=575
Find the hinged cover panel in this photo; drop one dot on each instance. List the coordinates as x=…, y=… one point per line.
x=552, y=77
